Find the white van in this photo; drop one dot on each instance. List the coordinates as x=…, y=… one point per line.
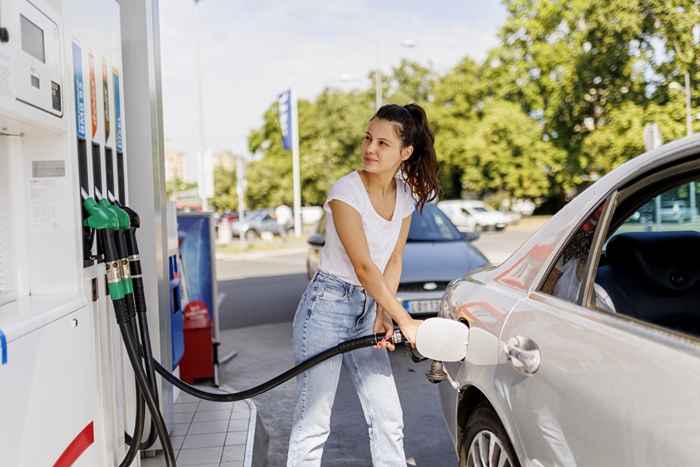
x=473, y=215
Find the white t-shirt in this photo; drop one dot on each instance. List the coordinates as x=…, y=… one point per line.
x=381, y=234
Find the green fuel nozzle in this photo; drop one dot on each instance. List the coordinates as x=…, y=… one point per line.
x=123, y=226
x=99, y=218
x=105, y=222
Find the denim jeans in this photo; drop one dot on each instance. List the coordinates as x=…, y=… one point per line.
x=330, y=312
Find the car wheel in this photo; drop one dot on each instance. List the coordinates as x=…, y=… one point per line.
x=251, y=235
x=485, y=442
x=478, y=228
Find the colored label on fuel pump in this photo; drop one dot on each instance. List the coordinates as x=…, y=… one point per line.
x=117, y=111
x=3, y=348
x=79, y=87
x=105, y=100
x=93, y=93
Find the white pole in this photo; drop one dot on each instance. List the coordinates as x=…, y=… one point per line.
x=688, y=110
x=689, y=128
x=200, y=106
x=296, y=175
x=240, y=190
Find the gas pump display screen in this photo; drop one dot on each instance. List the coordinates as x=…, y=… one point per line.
x=33, y=39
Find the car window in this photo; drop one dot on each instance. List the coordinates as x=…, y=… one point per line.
x=566, y=278
x=432, y=225
x=673, y=210
x=650, y=265
x=480, y=209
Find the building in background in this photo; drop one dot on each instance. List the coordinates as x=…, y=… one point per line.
x=174, y=164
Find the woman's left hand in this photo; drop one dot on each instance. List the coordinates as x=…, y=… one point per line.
x=383, y=324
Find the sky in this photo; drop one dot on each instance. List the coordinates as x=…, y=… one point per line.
x=253, y=50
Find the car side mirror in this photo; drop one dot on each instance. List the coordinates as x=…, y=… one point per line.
x=470, y=236
x=316, y=240
x=442, y=339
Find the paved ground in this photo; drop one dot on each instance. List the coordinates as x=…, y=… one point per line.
x=261, y=292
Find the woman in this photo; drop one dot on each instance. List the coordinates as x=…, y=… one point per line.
x=369, y=213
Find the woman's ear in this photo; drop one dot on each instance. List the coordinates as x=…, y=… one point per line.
x=406, y=153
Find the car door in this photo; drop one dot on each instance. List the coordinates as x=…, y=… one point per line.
x=587, y=386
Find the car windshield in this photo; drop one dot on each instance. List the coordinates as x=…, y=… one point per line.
x=432, y=225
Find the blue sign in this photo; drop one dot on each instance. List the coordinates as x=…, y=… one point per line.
x=117, y=111
x=284, y=101
x=79, y=88
x=196, y=246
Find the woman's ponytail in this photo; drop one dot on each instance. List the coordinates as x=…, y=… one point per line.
x=420, y=170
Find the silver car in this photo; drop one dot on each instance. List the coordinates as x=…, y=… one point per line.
x=435, y=253
x=584, y=345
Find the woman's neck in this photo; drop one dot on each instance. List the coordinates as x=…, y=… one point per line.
x=381, y=183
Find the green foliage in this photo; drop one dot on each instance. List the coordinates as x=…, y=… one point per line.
x=178, y=185
x=504, y=152
x=225, y=197
x=331, y=130
x=561, y=100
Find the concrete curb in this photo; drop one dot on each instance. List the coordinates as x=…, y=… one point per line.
x=257, y=439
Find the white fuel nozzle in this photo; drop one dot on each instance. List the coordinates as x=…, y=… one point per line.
x=442, y=339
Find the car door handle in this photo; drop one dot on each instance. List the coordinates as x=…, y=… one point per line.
x=523, y=354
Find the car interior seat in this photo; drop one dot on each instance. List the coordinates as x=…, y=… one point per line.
x=655, y=277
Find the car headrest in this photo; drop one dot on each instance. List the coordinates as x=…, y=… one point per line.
x=670, y=260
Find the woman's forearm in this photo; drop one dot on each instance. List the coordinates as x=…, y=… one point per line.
x=374, y=283
x=392, y=278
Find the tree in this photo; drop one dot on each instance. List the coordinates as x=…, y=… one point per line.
x=330, y=129
x=505, y=153
x=225, y=197
x=177, y=185
x=620, y=136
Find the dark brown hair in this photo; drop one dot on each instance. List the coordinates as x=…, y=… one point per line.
x=421, y=169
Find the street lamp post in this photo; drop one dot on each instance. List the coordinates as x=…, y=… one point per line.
x=378, y=97
x=689, y=129
x=200, y=105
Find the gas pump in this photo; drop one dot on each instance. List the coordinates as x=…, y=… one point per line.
x=67, y=385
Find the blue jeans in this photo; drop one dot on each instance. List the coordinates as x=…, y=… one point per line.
x=330, y=312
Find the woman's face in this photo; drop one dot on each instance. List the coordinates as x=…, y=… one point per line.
x=381, y=149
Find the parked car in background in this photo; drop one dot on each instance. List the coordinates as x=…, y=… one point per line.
x=584, y=346
x=523, y=206
x=461, y=218
x=473, y=215
x=311, y=214
x=676, y=212
x=436, y=253
x=255, y=223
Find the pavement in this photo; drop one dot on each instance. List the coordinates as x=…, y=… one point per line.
x=215, y=434
x=259, y=293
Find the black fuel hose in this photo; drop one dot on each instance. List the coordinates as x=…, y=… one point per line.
x=139, y=422
x=347, y=346
x=142, y=382
x=122, y=314
x=152, y=433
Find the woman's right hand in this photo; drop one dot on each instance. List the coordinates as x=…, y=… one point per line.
x=409, y=327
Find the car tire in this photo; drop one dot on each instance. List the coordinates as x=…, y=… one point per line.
x=482, y=428
x=251, y=235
